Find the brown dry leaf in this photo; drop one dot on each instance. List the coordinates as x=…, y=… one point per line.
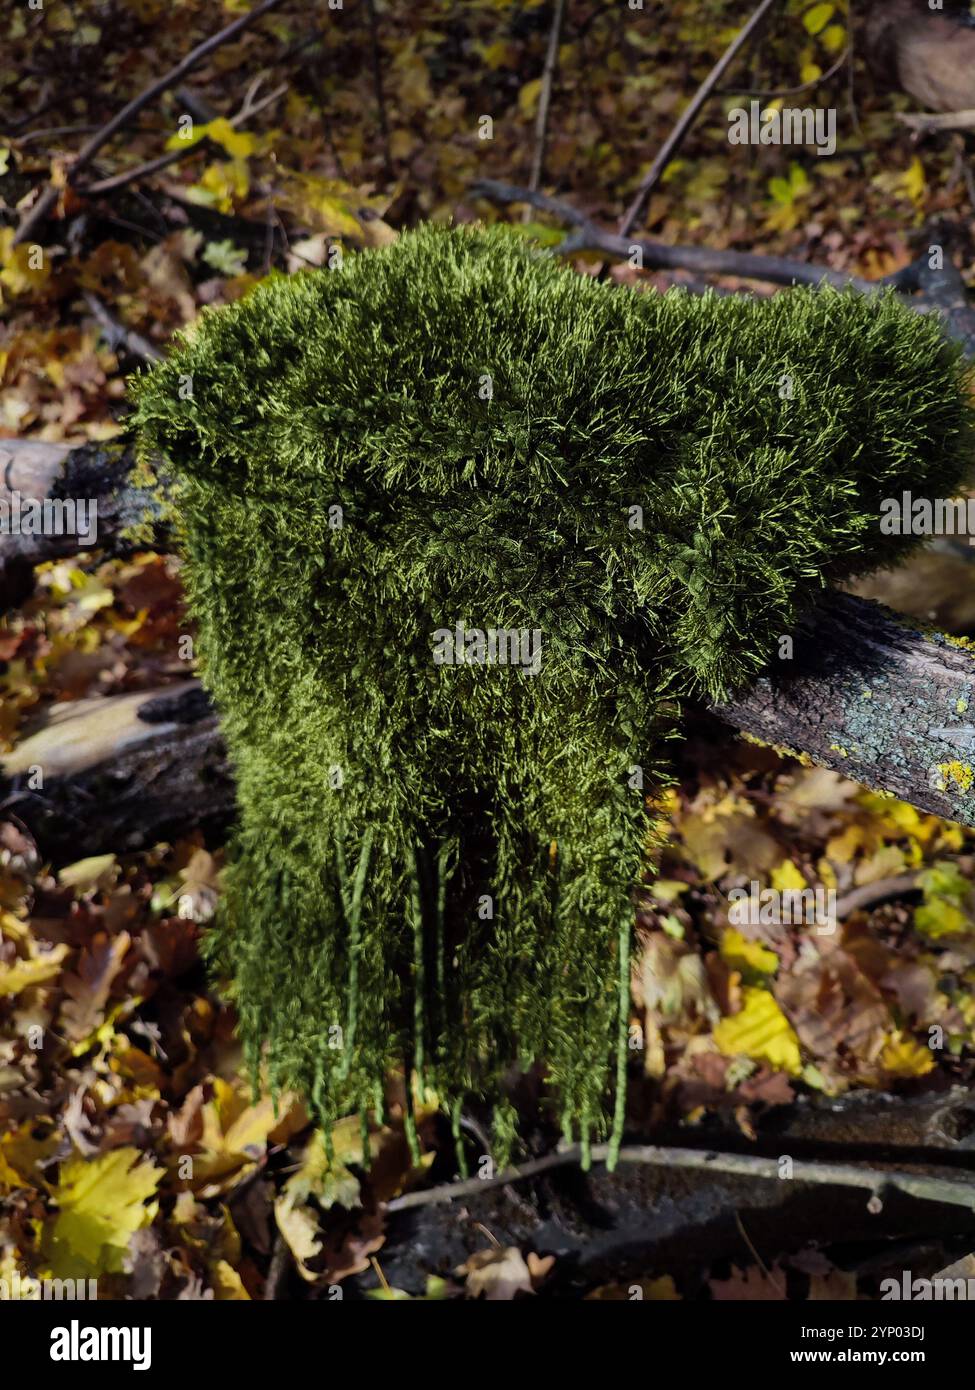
x=671, y=982
x=840, y=1016
x=728, y=835
x=83, y=1011
x=835, y=1286
x=186, y=1123
x=496, y=1275
x=752, y=1285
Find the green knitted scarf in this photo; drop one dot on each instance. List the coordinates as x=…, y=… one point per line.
x=460, y=528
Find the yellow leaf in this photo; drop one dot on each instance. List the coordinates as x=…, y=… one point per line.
x=237, y=143
x=833, y=38
x=495, y=55
x=787, y=877
x=818, y=17
x=939, y=917
x=22, y=268
x=321, y=204
x=88, y=873
x=21, y=1154
x=22, y=974
x=747, y=956
x=236, y=1133
x=221, y=184
x=842, y=848
x=904, y=1056
x=810, y=72
x=912, y=183
x=760, y=1031
x=227, y=1283
x=102, y=1202
x=528, y=97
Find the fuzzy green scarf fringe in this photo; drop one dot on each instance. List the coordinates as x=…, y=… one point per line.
x=434, y=863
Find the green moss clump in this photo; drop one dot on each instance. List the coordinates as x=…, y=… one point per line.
x=433, y=864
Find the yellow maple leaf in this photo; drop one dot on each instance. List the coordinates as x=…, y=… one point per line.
x=22, y=268
x=236, y=1133
x=760, y=1031
x=102, y=1202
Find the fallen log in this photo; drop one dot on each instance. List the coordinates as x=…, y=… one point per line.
x=119, y=772
x=863, y=692
x=91, y=480
x=866, y=694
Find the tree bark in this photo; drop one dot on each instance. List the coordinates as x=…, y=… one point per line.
x=872, y=695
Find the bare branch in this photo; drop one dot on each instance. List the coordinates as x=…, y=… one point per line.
x=117, y=334
x=876, y=1181
x=545, y=95
x=926, y=121
x=690, y=114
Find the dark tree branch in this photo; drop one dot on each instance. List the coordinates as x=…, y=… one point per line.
x=950, y=1191
x=866, y=693
x=942, y=289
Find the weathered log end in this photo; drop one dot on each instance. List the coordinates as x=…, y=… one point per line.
x=874, y=696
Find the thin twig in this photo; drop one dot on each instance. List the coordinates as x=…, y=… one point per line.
x=690, y=114
x=757, y=1257
x=947, y=1191
x=788, y=91
x=86, y=154
x=50, y=133
x=776, y=270
x=377, y=82
x=117, y=333
x=279, y=1270
x=869, y=894
x=545, y=95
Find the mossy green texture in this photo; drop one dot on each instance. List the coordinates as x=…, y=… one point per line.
x=434, y=864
